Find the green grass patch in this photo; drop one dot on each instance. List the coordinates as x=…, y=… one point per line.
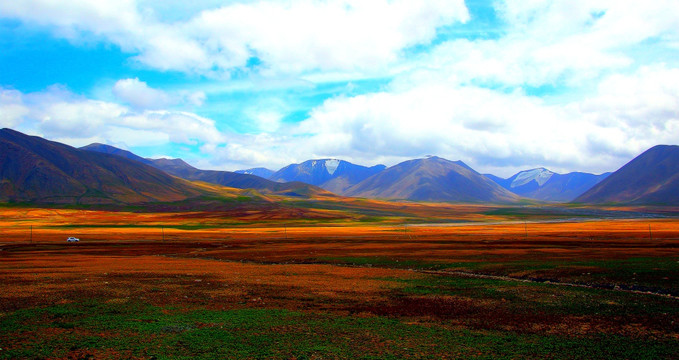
x=142, y=330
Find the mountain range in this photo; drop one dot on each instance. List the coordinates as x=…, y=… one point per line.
x=179, y=168
x=428, y=179
x=545, y=185
x=339, y=176
x=331, y=174
x=33, y=169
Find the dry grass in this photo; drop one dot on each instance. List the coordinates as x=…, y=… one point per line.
x=345, y=270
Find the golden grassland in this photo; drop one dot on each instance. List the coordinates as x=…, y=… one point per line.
x=253, y=285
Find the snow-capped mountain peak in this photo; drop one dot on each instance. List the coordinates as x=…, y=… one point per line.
x=331, y=165
x=540, y=175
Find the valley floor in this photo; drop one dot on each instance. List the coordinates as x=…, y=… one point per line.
x=152, y=286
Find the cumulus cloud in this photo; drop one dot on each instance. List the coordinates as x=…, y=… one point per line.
x=491, y=130
x=291, y=36
x=463, y=99
x=12, y=109
x=542, y=41
x=180, y=127
x=567, y=42
x=141, y=96
x=477, y=125
x=634, y=111
x=61, y=115
x=302, y=35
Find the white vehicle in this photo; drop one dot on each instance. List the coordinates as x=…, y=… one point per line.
x=72, y=239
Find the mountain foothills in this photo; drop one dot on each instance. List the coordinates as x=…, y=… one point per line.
x=36, y=170
x=331, y=174
x=545, y=185
x=179, y=168
x=432, y=179
x=650, y=178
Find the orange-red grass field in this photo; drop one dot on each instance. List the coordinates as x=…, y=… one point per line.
x=213, y=285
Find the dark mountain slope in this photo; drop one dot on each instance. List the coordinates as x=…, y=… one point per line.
x=108, y=149
x=650, y=178
x=37, y=170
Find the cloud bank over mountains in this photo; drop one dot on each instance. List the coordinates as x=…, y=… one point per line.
x=569, y=85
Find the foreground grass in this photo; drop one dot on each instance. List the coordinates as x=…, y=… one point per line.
x=139, y=330
x=368, y=298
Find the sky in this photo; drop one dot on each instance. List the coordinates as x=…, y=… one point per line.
x=503, y=85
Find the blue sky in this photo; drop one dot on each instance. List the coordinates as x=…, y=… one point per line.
x=503, y=85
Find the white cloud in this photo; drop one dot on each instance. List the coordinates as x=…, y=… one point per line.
x=542, y=42
x=105, y=18
x=12, y=109
x=268, y=121
x=609, y=22
x=292, y=36
x=436, y=104
x=634, y=111
x=141, y=96
x=61, y=115
x=554, y=42
x=181, y=127
x=477, y=125
x=85, y=117
x=489, y=130
x=302, y=35
x=195, y=98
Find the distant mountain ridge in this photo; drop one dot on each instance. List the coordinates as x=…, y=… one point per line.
x=41, y=171
x=36, y=170
x=546, y=185
x=333, y=175
x=650, y=178
x=432, y=179
x=181, y=169
x=260, y=171
x=108, y=149
x=178, y=167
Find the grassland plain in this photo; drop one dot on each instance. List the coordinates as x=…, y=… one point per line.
x=200, y=285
